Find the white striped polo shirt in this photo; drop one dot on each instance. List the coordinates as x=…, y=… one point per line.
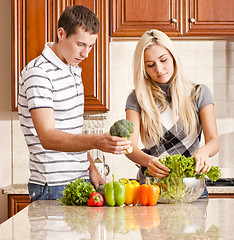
x=47, y=82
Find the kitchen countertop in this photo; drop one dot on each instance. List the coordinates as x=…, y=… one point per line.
x=15, y=189
x=23, y=189
x=204, y=219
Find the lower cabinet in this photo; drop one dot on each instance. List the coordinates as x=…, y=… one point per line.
x=16, y=202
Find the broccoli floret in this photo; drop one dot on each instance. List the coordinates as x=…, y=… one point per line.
x=122, y=128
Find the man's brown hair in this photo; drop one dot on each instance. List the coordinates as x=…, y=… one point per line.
x=78, y=16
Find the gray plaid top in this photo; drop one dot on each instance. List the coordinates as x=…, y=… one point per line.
x=174, y=142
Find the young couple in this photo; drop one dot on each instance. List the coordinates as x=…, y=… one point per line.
x=168, y=111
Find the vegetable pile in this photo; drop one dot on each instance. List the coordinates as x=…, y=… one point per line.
x=181, y=167
x=77, y=193
x=123, y=128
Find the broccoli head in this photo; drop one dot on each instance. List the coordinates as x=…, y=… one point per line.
x=122, y=128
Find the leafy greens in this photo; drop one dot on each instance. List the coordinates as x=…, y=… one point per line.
x=181, y=167
x=77, y=193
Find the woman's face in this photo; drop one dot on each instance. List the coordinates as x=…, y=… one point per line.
x=159, y=63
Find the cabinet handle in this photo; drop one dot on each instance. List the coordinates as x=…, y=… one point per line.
x=173, y=20
x=192, y=20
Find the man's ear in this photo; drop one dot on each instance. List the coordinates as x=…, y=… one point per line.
x=61, y=34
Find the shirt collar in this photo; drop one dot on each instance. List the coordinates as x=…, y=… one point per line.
x=53, y=58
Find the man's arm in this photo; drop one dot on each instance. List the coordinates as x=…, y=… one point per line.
x=53, y=139
x=94, y=175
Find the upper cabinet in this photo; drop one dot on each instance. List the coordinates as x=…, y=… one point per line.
x=35, y=23
x=131, y=18
x=209, y=17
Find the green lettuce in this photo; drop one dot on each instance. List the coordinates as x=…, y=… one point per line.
x=77, y=193
x=181, y=167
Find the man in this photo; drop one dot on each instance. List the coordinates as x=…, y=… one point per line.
x=51, y=106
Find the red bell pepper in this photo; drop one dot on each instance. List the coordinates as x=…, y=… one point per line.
x=95, y=200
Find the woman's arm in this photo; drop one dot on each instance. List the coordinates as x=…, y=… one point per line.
x=54, y=139
x=211, y=147
x=155, y=168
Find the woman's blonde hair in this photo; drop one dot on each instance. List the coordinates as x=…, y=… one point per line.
x=152, y=99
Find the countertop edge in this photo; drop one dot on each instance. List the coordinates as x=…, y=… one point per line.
x=23, y=189
x=15, y=189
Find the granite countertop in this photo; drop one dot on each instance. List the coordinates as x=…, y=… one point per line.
x=204, y=219
x=15, y=189
x=23, y=189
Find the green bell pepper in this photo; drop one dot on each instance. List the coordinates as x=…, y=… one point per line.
x=114, y=193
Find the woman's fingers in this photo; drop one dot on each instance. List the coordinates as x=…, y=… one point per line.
x=203, y=161
x=156, y=169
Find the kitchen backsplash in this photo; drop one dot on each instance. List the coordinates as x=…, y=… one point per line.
x=208, y=62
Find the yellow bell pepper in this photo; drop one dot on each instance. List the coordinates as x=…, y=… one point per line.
x=131, y=191
x=136, y=188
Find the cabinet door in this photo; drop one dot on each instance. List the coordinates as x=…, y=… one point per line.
x=35, y=23
x=16, y=203
x=209, y=17
x=131, y=18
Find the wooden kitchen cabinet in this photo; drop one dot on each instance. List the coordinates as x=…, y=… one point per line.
x=17, y=202
x=209, y=17
x=131, y=18
x=35, y=23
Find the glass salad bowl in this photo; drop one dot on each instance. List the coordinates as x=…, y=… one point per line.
x=183, y=190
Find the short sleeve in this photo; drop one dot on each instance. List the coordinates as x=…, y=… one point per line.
x=37, y=88
x=205, y=98
x=132, y=102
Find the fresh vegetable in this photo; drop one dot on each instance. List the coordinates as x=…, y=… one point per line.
x=135, y=192
x=100, y=190
x=95, y=200
x=77, y=193
x=131, y=191
x=123, y=128
x=148, y=194
x=181, y=167
x=185, y=167
x=114, y=193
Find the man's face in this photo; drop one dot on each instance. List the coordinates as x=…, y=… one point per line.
x=76, y=47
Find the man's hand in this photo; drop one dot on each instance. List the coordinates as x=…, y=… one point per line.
x=112, y=144
x=96, y=178
x=94, y=175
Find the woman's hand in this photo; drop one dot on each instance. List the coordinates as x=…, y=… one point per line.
x=203, y=161
x=157, y=169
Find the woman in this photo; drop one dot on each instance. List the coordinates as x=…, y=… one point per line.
x=168, y=111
